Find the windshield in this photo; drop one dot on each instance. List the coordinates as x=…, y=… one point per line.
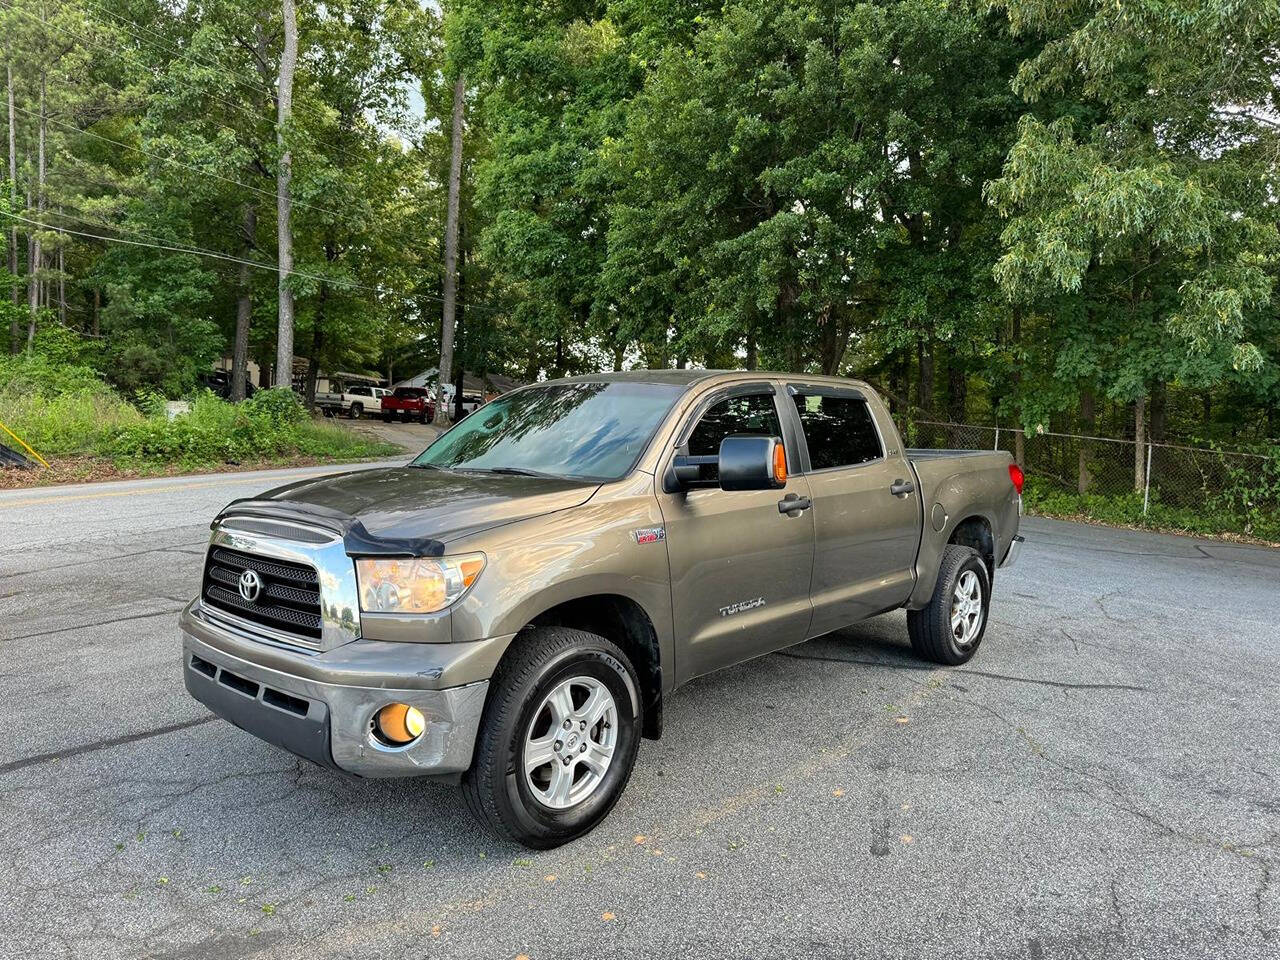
x=589, y=431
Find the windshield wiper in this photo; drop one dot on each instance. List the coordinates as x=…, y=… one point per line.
x=428, y=466
x=521, y=472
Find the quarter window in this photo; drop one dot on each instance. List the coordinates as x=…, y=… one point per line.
x=839, y=430
x=753, y=414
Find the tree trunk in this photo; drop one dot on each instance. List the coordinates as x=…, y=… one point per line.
x=753, y=350
x=284, y=177
x=1159, y=411
x=14, y=293
x=62, y=277
x=451, y=249
x=33, y=287
x=1139, y=444
x=924, y=388
x=244, y=308
x=1088, y=420
x=459, y=342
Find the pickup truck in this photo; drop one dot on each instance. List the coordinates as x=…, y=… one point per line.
x=513, y=608
x=353, y=401
x=408, y=403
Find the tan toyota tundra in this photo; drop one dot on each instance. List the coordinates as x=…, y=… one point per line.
x=511, y=608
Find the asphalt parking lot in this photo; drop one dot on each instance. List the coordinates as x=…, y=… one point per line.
x=1100, y=780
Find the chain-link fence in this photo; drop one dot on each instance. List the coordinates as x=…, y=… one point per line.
x=1231, y=490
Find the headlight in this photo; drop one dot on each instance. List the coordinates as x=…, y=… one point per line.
x=415, y=584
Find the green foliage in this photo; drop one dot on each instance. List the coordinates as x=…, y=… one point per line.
x=279, y=406
x=219, y=432
x=1250, y=507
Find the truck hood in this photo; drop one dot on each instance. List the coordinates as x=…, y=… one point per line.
x=415, y=510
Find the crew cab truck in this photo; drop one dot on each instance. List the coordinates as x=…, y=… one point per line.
x=513, y=607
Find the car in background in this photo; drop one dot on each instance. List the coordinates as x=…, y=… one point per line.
x=408, y=403
x=218, y=382
x=352, y=401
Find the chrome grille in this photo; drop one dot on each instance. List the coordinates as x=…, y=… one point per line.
x=289, y=599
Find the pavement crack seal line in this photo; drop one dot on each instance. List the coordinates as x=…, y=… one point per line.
x=70, y=752
x=99, y=623
x=824, y=759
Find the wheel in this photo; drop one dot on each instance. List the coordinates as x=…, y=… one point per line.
x=950, y=628
x=423, y=417
x=386, y=418
x=557, y=740
x=357, y=409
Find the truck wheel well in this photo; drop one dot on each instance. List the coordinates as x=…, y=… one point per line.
x=623, y=621
x=976, y=532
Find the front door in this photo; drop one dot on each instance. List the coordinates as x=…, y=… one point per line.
x=866, y=534
x=740, y=568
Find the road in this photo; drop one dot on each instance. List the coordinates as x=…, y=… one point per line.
x=1100, y=779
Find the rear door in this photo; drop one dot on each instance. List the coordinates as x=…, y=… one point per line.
x=740, y=568
x=866, y=520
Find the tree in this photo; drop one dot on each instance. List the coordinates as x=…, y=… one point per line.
x=284, y=173
x=1141, y=187
x=451, y=249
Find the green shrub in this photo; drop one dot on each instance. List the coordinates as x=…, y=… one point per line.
x=280, y=405
x=1224, y=514
x=215, y=431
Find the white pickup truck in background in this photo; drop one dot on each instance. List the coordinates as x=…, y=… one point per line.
x=353, y=401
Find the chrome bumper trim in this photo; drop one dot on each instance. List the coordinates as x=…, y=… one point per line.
x=1015, y=547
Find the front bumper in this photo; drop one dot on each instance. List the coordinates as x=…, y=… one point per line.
x=323, y=711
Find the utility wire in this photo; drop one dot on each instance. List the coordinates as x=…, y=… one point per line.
x=200, y=251
x=180, y=248
x=177, y=163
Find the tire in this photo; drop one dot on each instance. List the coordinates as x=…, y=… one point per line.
x=386, y=418
x=356, y=411
x=518, y=714
x=932, y=630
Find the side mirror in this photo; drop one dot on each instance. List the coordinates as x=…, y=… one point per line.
x=752, y=463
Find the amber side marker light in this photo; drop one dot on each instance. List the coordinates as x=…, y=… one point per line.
x=779, y=463
x=399, y=723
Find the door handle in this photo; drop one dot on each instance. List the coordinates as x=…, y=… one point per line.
x=900, y=488
x=792, y=504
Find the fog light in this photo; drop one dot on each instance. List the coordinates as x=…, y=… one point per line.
x=400, y=723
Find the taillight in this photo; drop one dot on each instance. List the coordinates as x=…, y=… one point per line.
x=1017, y=476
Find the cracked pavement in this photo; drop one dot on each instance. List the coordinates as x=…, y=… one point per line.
x=1099, y=780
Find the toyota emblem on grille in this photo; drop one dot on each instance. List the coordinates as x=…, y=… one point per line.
x=250, y=585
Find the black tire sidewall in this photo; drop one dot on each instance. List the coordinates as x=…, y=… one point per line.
x=356, y=411
x=531, y=821
x=975, y=563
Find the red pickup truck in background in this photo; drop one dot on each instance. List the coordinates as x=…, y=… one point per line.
x=408, y=403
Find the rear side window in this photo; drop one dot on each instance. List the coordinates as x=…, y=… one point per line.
x=838, y=429
x=753, y=414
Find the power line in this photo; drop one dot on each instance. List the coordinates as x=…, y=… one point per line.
x=177, y=248
x=200, y=251
x=177, y=163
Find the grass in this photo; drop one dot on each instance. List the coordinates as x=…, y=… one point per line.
x=87, y=431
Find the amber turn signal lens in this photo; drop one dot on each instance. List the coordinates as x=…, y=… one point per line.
x=400, y=723
x=779, y=463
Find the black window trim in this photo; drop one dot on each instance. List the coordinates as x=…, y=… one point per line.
x=796, y=388
x=790, y=440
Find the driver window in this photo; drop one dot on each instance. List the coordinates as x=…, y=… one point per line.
x=753, y=414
